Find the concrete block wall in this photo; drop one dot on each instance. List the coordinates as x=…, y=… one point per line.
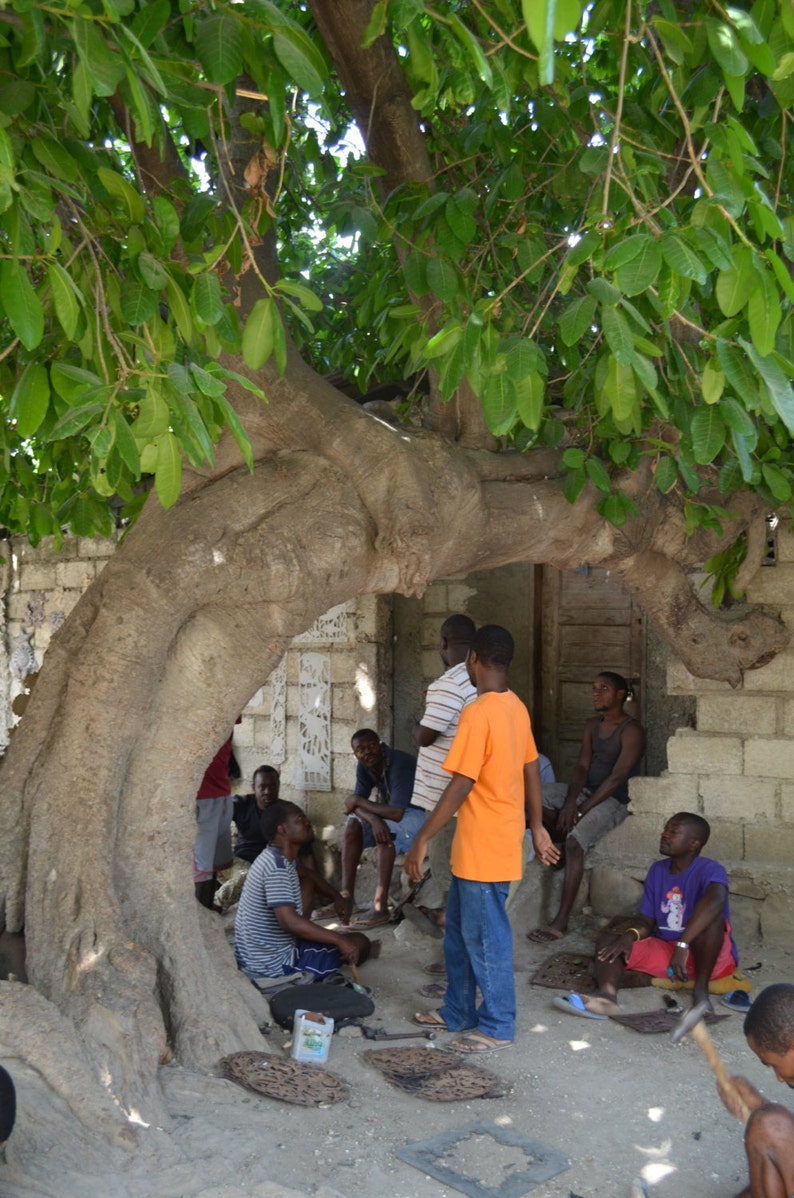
x=736, y=768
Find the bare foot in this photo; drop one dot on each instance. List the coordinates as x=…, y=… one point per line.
x=599, y=1004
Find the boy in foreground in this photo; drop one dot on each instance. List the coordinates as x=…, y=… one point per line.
x=769, y=1137
x=495, y=791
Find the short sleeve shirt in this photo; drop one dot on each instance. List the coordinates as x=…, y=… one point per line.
x=263, y=947
x=395, y=785
x=445, y=700
x=670, y=898
x=493, y=743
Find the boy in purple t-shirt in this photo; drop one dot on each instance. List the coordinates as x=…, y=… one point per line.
x=682, y=929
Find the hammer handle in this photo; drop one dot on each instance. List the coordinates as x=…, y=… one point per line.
x=701, y=1035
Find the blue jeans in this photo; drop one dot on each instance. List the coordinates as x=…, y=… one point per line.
x=478, y=951
x=402, y=831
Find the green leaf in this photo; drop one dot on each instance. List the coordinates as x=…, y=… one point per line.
x=207, y=299
x=778, y=387
x=168, y=470
x=22, y=306
x=300, y=58
x=573, y=484
x=30, y=399
x=680, y=256
x=302, y=294
x=259, y=333
x=763, y=313
x=219, y=49
x=675, y=40
x=118, y=187
x=75, y=421
x=618, y=334
x=597, y=473
x=734, y=286
x=778, y=482
x=138, y=303
x=236, y=429
x=539, y=18
x=472, y=48
x=126, y=445
x=167, y=222
x=666, y=475
x=726, y=48
x=152, y=271
x=712, y=382
x=641, y=272
x=499, y=403
x=530, y=393
x=573, y=458
x=66, y=298
x=621, y=390
x=376, y=26
x=180, y=309
x=442, y=277
x=708, y=434
x=152, y=419
x=103, y=66
x=577, y=319
x=444, y=341
x=737, y=418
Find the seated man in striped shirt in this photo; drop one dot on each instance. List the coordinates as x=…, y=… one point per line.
x=272, y=935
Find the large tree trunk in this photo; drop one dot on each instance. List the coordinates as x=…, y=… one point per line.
x=186, y=622
x=181, y=628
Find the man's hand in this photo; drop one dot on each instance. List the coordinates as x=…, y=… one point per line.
x=380, y=830
x=752, y=1098
x=619, y=946
x=348, y=950
x=350, y=804
x=343, y=905
x=678, y=964
x=415, y=857
x=545, y=850
x=568, y=817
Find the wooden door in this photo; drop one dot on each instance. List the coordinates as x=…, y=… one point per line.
x=585, y=622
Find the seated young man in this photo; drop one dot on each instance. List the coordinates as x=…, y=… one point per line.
x=379, y=816
x=682, y=929
x=769, y=1136
x=272, y=935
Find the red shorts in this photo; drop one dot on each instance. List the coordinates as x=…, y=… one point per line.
x=652, y=956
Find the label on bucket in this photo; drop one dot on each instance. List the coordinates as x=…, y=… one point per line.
x=311, y=1039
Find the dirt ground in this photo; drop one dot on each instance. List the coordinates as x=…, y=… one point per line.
x=619, y=1105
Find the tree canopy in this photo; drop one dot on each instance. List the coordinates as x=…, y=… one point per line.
x=594, y=234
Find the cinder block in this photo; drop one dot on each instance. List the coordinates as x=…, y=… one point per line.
x=681, y=682
x=244, y=733
x=459, y=594
x=436, y=599
x=341, y=733
x=776, y=918
x=636, y=839
x=745, y=920
x=364, y=618
x=776, y=676
x=432, y=665
x=89, y=547
x=613, y=892
x=787, y=802
x=769, y=757
x=772, y=584
x=770, y=844
x=691, y=752
x=744, y=799
x=37, y=577
x=739, y=715
x=726, y=843
x=354, y=666
x=788, y=717
x=665, y=795
x=74, y=575
x=343, y=704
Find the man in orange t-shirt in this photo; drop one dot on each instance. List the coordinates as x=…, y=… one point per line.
x=495, y=791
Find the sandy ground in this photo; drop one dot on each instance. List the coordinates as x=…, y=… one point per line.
x=618, y=1104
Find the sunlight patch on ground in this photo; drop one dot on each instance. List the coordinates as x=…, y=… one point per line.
x=578, y=1045
x=656, y=1114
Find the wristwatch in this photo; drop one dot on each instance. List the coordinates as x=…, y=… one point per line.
x=681, y=944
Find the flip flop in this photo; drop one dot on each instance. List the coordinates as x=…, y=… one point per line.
x=574, y=1005
x=737, y=1000
x=430, y=1019
x=436, y=970
x=433, y=990
x=546, y=935
x=375, y=919
x=477, y=1041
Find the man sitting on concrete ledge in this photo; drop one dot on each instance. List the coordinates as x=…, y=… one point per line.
x=682, y=930
x=273, y=938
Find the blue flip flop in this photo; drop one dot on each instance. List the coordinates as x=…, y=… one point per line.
x=736, y=1000
x=574, y=1005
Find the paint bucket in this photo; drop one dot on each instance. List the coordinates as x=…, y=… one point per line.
x=311, y=1038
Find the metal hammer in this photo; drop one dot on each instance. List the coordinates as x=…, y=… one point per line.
x=379, y=1033
x=692, y=1024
